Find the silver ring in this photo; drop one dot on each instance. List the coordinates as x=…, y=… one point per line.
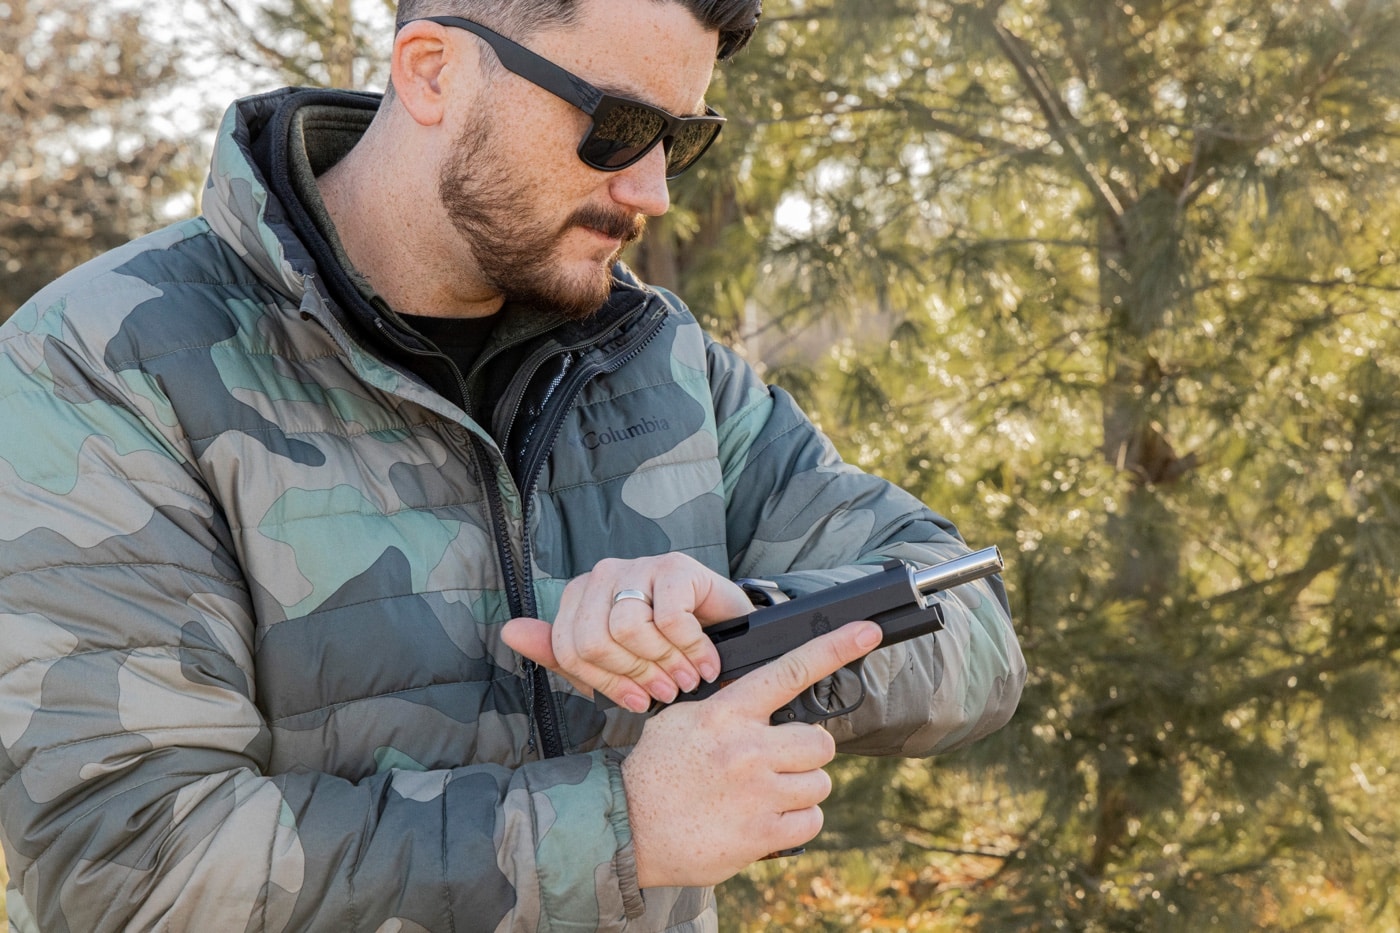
x=631, y=594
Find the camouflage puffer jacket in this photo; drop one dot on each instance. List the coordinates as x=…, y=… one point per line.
x=252, y=577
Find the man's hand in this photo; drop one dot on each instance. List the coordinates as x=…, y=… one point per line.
x=633, y=649
x=712, y=786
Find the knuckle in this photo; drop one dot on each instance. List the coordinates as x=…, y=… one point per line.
x=608, y=684
x=610, y=566
x=575, y=587
x=792, y=675
x=627, y=625
x=635, y=668
x=680, y=628
x=675, y=562
x=595, y=650
x=566, y=654
x=802, y=825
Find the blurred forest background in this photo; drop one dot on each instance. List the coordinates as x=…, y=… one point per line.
x=1112, y=283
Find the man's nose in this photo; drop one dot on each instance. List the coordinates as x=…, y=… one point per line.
x=641, y=187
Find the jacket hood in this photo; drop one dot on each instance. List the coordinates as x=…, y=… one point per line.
x=239, y=203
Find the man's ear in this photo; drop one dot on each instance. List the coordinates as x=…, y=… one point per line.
x=419, y=68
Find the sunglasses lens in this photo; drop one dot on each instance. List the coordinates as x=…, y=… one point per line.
x=624, y=131
x=621, y=135
x=689, y=143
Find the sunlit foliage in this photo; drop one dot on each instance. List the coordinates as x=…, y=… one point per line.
x=83, y=167
x=1114, y=285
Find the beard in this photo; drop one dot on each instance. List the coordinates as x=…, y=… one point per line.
x=516, y=250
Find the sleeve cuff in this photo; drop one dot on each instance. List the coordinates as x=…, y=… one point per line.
x=625, y=862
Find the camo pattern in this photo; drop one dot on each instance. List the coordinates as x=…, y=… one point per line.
x=252, y=579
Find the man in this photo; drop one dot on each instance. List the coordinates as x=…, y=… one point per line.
x=291, y=493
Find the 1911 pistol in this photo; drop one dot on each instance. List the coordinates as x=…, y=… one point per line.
x=898, y=598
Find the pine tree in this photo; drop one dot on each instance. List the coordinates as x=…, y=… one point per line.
x=1113, y=285
x=83, y=168
x=1122, y=299
x=314, y=43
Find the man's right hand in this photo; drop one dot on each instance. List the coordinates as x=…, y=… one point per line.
x=712, y=786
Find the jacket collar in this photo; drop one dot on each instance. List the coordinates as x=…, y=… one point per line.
x=241, y=203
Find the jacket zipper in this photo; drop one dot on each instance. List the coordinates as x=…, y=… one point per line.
x=540, y=696
x=431, y=354
x=544, y=717
x=533, y=462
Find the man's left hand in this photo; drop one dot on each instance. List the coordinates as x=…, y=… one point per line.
x=633, y=630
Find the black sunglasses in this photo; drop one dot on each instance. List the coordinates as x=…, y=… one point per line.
x=623, y=130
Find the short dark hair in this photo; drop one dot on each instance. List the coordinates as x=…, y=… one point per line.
x=734, y=20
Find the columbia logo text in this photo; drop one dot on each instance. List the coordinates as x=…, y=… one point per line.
x=592, y=440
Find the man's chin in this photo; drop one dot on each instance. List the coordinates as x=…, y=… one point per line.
x=578, y=296
x=590, y=297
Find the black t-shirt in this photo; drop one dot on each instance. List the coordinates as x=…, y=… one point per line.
x=462, y=339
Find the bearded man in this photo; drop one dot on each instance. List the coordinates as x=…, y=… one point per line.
x=311, y=579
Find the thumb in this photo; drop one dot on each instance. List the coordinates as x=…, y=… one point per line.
x=762, y=691
x=531, y=638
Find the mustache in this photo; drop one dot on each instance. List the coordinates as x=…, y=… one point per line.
x=618, y=225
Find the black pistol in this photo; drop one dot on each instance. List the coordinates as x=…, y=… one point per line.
x=898, y=598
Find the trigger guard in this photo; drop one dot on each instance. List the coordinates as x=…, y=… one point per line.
x=819, y=710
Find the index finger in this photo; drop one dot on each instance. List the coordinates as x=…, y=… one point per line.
x=762, y=691
x=686, y=603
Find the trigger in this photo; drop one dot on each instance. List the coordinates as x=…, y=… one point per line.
x=821, y=710
x=828, y=710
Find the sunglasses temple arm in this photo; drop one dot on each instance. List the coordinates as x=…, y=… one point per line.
x=532, y=67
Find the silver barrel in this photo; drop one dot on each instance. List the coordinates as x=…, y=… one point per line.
x=957, y=571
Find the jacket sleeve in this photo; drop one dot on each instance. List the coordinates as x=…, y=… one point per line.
x=134, y=792
x=800, y=516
